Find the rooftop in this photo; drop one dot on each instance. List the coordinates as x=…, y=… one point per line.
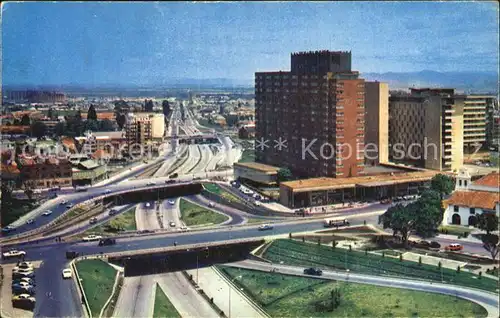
x=474, y=199
x=368, y=181
x=489, y=180
x=257, y=166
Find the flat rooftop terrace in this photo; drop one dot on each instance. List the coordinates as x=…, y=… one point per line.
x=257, y=166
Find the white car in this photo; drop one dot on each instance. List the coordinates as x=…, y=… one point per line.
x=47, y=213
x=92, y=238
x=30, y=221
x=211, y=204
x=172, y=224
x=171, y=202
x=13, y=253
x=24, y=265
x=67, y=273
x=151, y=183
x=22, y=271
x=63, y=202
x=69, y=206
x=107, y=191
x=183, y=228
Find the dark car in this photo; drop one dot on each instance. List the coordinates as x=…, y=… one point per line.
x=170, y=181
x=175, y=175
x=18, y=289
x=112, y=212
x=71, y=254
x=313, y=271
x=29, y=274
x=107, y=241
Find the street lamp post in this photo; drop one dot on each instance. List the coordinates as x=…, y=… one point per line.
x=229, y=285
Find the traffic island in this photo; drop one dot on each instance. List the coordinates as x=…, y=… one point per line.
x=163, y=307
x=123, y=222
x=291, y=296
x=193, y=214
x=97, y=279
x=292, y=252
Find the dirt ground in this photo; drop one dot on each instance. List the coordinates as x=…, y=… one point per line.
x=6, y=304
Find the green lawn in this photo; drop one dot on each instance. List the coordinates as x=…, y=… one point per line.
x=289, y=296
x=455, y=230
x=248, y=155
x=97, y=279
x=124, y=221
x=193, y=214
x=294, y=252
x=163, y=306
x=13, y=210
x=214, y=188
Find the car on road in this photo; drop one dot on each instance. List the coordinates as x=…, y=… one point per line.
x=91, y=238
x=169, y=181
x=30, y=221
x=107, y=241
x=63, y=202
x=145, y=231
x=69, y=206
x=184, y=228
x=211, y=204
x=93, y=221
x=454, y=247
x=81, y=189
x=171, y=202
x=71, y=254
x=151, y=183
x=175, y=175
x=113, y=212
x=67, y=273
x=265, y=227
x=107, y=191
x=8, y=229
x=47, y=213
x=13, y=253
x=172, y=224
x=313, y=271
x=434, y=246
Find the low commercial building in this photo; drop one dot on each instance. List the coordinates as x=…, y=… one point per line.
x=327, y=191
x=472, y=199
x=256, y=172
x=88, y=172
x=40, y=173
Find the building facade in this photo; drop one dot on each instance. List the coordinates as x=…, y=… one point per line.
x=41, y=173
x=143, y=128
x=426, y=129
x=377, y=123
x=316, y=107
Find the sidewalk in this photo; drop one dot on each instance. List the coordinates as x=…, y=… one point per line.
x=218, y=287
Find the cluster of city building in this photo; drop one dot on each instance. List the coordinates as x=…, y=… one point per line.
x=345, y=138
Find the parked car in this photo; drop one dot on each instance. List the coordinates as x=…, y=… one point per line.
x=454, y=247
x=24, y=265
x=93, y=220
x=27, y=280
x=265, y=227
x=72, y=254
x=22, y=274
x=67, y=273
x=313, y=271
x=107, y=241
x=24, y=301
x=13, y=253
x=23, y=289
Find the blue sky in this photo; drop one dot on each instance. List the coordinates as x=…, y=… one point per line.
x=145, y=43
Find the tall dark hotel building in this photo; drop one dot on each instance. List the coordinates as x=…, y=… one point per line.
x=320, y=98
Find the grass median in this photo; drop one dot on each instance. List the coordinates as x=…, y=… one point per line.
x=163, y=307
x=97, y=278
x=290, y=296
x=298, y=253
x=214, y=188
x=194, y=214
x=123, y=222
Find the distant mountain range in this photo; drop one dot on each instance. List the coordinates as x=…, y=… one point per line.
x=468, y=82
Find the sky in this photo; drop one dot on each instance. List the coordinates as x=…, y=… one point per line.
x=57, y=43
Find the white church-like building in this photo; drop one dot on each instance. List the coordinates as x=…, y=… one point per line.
x=471, y=199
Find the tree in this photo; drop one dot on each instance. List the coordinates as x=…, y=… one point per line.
x=38, y=129
x=106, y=125
x=92, y=114
x=232, y=120
x=428, y=212
x=487, y=222
x=8, y=187
x=91, y=125
x=17, y=122
x=120, y=120
x=284, y=174
x=50, y=113
x=59, y=129
x=148, y=105
x=490, y=243
x=25, y=120
x=442, y=184
x=166, y=108
x=400, y=219
x=28, y=190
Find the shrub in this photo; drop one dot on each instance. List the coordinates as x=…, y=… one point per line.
x=400, y=257
x=439, y=265
x=420, y=260
x=334, y=243
x=480, y=274
x=458, y=269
